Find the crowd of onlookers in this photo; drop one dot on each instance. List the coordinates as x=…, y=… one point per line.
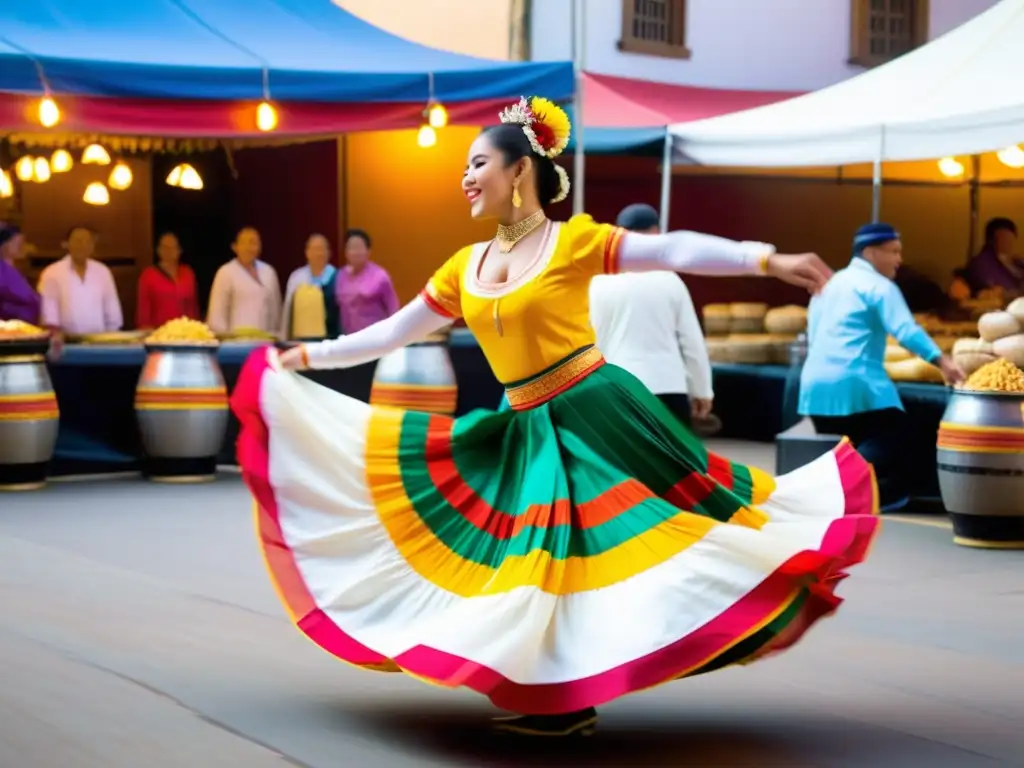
x=77, y=296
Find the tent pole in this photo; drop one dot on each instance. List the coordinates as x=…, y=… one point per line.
x=876, y=180
x=666, y=180
x=579, y=51
x=975, y=194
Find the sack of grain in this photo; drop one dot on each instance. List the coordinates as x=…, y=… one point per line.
x=747, y=317
x=717, y=319
x=915, y=369
x=997, y=325
x=1016, y=309
x=788, y=320
x=1010, y=348
x=718, y=350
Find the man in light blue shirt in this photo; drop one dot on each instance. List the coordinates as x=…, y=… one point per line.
x=844, y=387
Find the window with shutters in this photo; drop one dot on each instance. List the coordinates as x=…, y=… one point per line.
x=882, y=30
x=655, y=28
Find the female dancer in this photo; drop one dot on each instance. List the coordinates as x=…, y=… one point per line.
x=574, y=548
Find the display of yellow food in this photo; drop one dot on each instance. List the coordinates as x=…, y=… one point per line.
x=247, y=333
x=18, y=329
x=998, y=376
x=182, y=330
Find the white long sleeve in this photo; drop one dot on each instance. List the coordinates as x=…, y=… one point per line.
x=218, y=312
x=413, y=322
x=693, y=253
x=693, y=347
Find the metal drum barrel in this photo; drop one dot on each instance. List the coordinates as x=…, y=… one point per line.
x=181, y=404
x=419, y=377
x=29, y=416
x=981, y=468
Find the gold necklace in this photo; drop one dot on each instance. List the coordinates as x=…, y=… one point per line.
x=511, y=234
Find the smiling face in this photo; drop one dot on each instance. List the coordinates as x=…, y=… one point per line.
x=488, y=180
x=886, y=257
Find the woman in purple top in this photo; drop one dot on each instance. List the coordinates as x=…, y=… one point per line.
x=997, y=265
x=17, y=299
x=364, y=289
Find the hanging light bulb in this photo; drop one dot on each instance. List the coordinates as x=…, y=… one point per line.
x=6, y=185
x=94, y=154
x=266, y=116
x=437, y=116
x=190, y=178
x=427, y=137
x=184, y=176
x=120, y=177
x=950, y=167
x=49, y=113
x=1011, y=157
x=41, y=170
x=61, y=162
x=25, y=168
x=96, y=194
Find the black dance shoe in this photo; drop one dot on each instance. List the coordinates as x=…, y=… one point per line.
x=582, y=723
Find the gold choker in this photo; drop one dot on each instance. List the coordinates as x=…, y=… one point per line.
x=508, y=236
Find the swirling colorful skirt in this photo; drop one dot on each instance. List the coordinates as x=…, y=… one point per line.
x=552, y=558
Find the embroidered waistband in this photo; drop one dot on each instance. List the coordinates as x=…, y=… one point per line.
x=555, y=380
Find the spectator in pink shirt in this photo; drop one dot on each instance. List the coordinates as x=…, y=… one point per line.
x=363, y=288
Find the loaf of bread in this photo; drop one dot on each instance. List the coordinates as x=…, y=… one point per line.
x=788, y=320
x=1011, y=349
x=750, y=349
x=914, y=369
x=1016, y=309
x=894, y=353
x=717, y=320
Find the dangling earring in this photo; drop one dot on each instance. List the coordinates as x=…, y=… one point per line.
x=517, y=199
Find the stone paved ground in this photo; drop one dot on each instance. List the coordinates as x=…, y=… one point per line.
x=138, y=630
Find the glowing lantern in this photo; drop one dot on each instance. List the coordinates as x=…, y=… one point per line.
x=266, y=116
x=94, y=154
x=437, y=116
x=25, y=168
x=120, y=177
x=427, y=137
x=184, y=176
x=1011, y=157
x=61, y=161
x=49, y=114
x=96, y=194
x=6, y=185
x=41, y=170
x=950, y=167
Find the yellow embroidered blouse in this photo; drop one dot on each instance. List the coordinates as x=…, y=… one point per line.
x=542, y=315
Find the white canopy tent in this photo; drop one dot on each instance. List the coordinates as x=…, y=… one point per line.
x=961, y=94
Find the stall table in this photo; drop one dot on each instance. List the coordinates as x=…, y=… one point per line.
x=95, y=388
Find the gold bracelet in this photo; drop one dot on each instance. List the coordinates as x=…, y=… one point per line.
x=762, y=262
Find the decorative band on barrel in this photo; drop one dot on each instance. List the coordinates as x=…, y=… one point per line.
x=181, y=399
x=440, y=399
x=972, y=439
x=36, y=406
x=557, y=379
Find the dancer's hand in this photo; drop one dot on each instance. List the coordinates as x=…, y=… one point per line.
x=294, y=359
x=700, y=407
x=806, y=270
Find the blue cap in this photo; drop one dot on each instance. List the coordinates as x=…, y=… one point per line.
x=638, y=217
x=873, y=234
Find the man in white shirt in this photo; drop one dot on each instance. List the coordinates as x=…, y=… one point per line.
x=78, y=293
x=246, y=292
x=646, y=323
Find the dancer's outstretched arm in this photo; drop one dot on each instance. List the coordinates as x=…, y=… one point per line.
x=699, y=254
x=413, y=322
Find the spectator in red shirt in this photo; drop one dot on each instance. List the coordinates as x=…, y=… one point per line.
x=168, y=288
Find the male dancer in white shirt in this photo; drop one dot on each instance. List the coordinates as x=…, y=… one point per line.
x=645, y=323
